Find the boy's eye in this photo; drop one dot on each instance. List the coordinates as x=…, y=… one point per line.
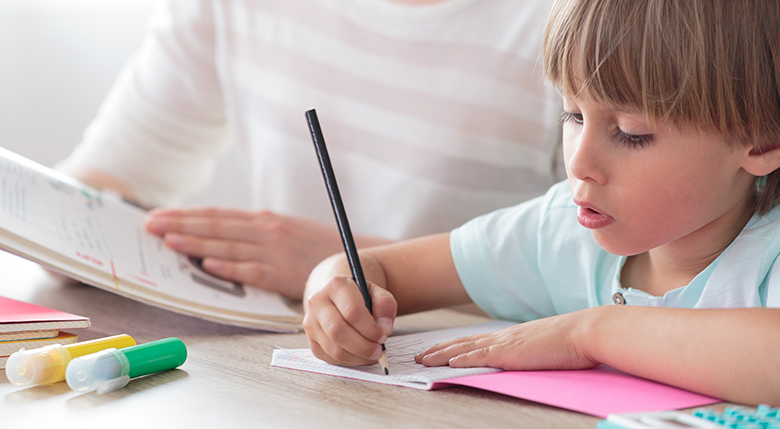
x=633, y=141
x=575, y=118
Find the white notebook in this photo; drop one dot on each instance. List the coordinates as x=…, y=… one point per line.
x=404, y=371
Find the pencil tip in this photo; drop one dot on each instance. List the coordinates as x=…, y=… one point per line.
x=383, y=361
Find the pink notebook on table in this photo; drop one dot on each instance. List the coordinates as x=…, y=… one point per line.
x=23, y=321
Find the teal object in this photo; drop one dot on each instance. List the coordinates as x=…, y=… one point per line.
x=112, y=369
x=763, y=417
x=608, y=425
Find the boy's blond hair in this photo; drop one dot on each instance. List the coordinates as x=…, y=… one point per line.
x=707, y=63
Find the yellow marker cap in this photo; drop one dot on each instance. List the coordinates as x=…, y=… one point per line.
x=47, y=364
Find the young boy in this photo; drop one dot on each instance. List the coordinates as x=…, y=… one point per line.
x=657, y=256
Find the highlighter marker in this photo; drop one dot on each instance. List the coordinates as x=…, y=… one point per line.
x=47, y=364
x=112, y=369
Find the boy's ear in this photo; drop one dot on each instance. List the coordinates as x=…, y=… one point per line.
x=760, y=162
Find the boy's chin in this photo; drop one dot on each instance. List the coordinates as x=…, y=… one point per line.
x=615, y=245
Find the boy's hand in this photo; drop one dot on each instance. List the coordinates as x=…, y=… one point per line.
x=552, y=343
x=339, y=327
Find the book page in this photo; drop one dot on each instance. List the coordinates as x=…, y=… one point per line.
x=100, y=239
x=404, y=371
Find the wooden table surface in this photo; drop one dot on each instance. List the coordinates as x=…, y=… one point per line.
x=228, y=380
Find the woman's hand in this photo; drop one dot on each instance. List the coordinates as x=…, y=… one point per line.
x=261, y=249
x=339, y=327
x=552, y=343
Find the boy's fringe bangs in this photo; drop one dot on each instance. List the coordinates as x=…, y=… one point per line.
x=701, y=63
x=695, y=62
x=607, y=50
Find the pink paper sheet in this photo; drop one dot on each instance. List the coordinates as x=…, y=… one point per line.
x=598, y=391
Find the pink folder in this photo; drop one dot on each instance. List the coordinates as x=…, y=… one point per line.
x=598, y=391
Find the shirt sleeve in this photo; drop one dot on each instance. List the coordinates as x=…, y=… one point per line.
x=772, y=282
x=162, y=127
x=497, y=259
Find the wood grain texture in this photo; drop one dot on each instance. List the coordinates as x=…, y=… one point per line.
x=228, y=381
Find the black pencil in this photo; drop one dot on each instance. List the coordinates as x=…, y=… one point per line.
x=341, y=217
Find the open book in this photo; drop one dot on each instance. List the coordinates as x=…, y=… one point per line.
x=597, y=391
x=99, y=239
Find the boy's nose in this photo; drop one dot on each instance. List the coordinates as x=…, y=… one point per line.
x=586, y=160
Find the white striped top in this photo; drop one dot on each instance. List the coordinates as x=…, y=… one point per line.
x=433, y=114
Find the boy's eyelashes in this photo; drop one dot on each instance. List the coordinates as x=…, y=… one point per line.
x=575, y=118
x=628, y=140
x=631, y=140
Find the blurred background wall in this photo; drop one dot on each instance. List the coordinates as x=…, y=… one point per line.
x=58, y=59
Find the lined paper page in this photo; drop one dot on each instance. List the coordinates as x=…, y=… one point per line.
x=400, y=355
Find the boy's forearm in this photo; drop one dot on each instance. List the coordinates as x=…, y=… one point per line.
x=397, y=268
x=732, y=354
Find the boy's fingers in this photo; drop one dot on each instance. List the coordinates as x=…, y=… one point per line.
x=478, y=357
x=322, y=344
x=439, y=346
x=352, y=307
x=333, y=354
x=342, y=341
x=440, y=354
x=339, y=326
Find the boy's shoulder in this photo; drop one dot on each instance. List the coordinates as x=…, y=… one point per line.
x=744, y=275
x=765, y=226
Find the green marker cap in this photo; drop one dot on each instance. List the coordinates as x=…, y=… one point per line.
x=112, y=369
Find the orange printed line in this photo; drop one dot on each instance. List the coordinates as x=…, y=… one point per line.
x=146, y=281
x=89, y=258
x=113, y=273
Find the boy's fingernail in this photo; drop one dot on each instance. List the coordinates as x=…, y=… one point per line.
x=377, y=353
x=387, y=324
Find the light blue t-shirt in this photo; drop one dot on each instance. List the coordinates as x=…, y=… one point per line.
x=535, y=260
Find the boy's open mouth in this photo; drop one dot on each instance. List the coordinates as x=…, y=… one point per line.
x=591, y=218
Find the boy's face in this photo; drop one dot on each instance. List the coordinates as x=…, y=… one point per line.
x=640, y=186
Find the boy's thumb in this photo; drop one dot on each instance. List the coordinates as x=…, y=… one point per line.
x=384, y=308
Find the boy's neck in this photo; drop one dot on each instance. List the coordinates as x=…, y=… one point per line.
x=675, y=264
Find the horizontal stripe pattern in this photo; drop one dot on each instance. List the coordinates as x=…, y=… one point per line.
x=458, y=116
x=433, y=114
